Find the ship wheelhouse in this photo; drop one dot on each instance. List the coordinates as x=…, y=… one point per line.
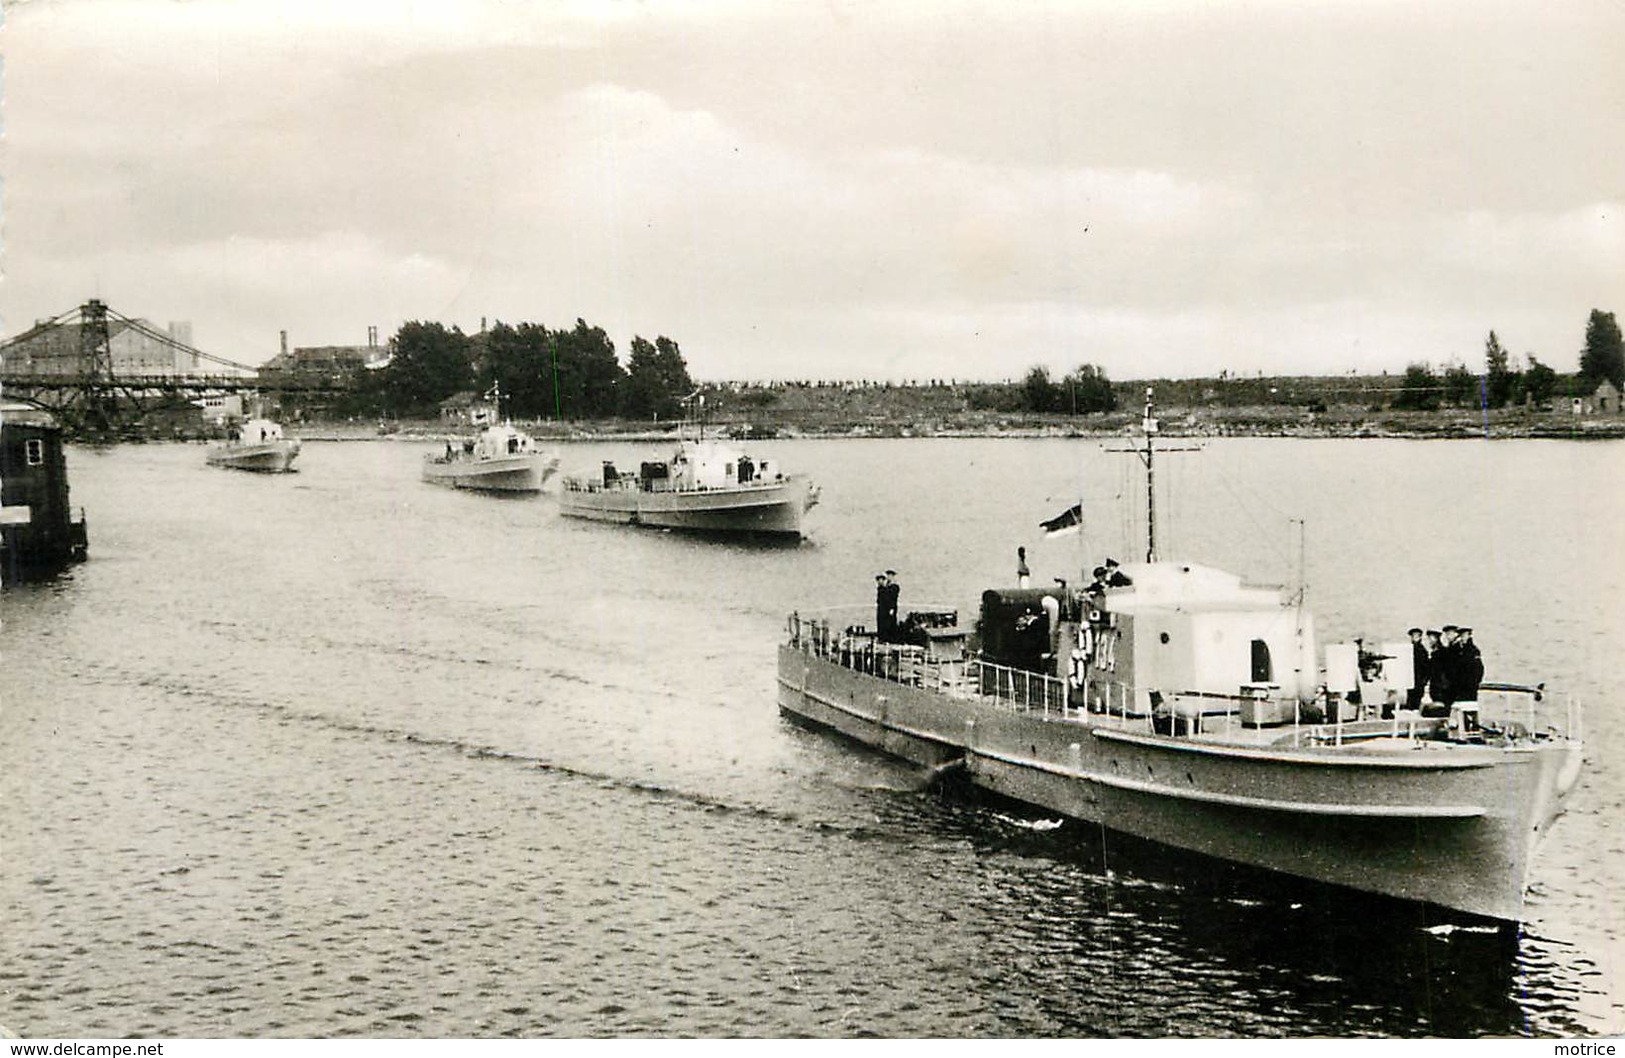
x=1181, y=638
x=1191, y=633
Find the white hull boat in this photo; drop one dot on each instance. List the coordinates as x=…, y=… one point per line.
x=501, y=459
x=257, y=445
x=705, y=487
x=1190, y=709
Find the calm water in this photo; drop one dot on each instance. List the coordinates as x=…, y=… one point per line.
x=340, y=753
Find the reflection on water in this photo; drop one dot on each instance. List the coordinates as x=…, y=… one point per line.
x=1292, y=954
x=341, y=753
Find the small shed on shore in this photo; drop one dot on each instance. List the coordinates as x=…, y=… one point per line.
x=466, y=409
x=1604, y=400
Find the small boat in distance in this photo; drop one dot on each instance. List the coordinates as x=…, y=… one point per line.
x=704, y=486
x=256, y=444
x=500, y=458
x=1182, y=705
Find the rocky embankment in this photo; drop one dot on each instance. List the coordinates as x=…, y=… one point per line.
x=1174, y=423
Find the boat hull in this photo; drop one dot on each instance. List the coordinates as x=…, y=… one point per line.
x=526, y=473
x=270, y=457
x=1457, y=833
x=771, y=509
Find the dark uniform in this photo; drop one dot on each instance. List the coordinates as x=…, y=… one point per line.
x=1470, y=667
x=1443, y=679
x=1096, y=591
x=886, y=602
x=1420, y=662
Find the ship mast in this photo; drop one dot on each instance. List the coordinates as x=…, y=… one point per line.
x=1148, y=457
x=693, y=415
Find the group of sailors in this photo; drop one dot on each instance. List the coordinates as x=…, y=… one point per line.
x=1446, y=668
x=1110, y=575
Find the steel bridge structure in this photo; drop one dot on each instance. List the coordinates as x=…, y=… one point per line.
x=82, y=385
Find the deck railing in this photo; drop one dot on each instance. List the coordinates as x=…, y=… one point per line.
x=1021, y=688
x=1530, y=707
x=855, y=648
x=1513, y=711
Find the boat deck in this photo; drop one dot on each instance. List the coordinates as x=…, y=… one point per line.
x=630, y=484
x=1197, y=718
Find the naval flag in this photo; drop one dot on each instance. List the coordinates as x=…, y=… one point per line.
x=1068, y=521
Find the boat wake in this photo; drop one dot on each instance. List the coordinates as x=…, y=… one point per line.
x=1447, y=929
x=1036, y=825
x=287, y=712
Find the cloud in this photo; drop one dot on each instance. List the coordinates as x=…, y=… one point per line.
x=807, y=189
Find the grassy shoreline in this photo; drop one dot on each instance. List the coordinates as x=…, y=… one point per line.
x=1175, y=422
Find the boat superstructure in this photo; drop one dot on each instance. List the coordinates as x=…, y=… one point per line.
x=1190, y=708
x=256, y=444
x=705, y=485
x=500, y=458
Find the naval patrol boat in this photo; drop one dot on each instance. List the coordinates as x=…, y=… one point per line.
x=258, y=445
x=706, y=485
x=1189, y=708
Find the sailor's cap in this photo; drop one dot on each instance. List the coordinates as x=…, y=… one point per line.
x=1413, y=631
x=1451, y=628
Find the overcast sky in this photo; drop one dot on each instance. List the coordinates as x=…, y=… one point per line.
x=832, y=190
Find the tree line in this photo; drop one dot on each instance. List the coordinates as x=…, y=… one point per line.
x=1084, y=391
x=574, y=374
x=1502, y=382
x=541, y=373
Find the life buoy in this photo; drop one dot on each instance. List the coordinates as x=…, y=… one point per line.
x=1081, y=654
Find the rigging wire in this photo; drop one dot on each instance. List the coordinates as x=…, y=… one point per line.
x=54, y=321
x=142, y=328
x=1271, y=537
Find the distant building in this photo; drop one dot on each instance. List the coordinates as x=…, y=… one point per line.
x=221, y=407
x=1604, y=400
x=324, y=362
x=467, y=409
x=57, y=349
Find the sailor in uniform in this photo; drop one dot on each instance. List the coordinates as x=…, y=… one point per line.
x=1442, y=681
x=1420, y=660
x=1469, y=666
x=886, y=592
